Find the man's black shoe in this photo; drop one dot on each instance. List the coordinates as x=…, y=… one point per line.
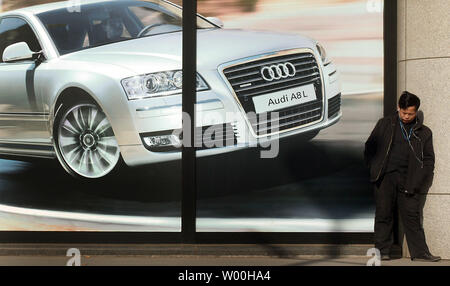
x=385, y=257
x=426, y=257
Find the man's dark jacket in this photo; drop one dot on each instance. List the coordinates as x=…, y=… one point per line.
x=421, y=155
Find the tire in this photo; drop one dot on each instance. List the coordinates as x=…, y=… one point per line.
x=84, y=141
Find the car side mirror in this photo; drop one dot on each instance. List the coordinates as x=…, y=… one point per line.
x=216, y=21
x=18, y=52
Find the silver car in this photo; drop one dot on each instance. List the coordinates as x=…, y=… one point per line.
x=100, y=83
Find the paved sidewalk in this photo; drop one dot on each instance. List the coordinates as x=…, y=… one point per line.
x=16, y=254
x=205, y=261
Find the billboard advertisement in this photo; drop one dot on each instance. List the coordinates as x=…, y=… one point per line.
x=91, y=115
x=306, y=86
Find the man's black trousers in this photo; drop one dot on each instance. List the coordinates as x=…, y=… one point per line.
x=388, y=195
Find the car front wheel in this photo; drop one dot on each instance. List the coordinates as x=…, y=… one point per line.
x=85, y=141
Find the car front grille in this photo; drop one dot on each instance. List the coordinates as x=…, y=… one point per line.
x=287, y=118
x=215, y=136
x=247, y=82
x=334, y=105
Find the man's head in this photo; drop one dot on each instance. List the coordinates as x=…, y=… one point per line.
x=408, y=105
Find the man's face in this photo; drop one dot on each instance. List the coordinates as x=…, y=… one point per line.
x=407, y=115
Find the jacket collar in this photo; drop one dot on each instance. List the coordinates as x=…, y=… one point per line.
x=419, y=119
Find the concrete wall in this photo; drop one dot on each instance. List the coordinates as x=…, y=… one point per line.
x=424, y=69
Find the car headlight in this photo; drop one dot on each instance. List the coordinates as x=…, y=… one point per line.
x=323, y=54
x=158, y=84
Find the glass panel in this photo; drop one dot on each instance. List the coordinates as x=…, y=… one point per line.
x=15, y=30
x=296, y=88
x=97, y=120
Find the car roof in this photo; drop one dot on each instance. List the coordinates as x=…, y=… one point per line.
x=36, y=9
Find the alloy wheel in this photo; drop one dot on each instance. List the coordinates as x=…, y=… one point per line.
x=86, y=141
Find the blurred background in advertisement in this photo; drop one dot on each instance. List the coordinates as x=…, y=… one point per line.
x=350, y=30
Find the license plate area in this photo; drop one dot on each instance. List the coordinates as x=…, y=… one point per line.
x=284, y=98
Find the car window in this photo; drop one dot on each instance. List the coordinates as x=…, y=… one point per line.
x=149, y=17
x=14, y=30
x=76, y=31
x=110, y=22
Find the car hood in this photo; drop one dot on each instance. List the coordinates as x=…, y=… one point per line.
x=215, y=47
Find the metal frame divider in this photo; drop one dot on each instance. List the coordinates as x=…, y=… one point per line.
x=188, y=235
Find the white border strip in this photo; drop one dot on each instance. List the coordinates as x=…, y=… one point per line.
x=284, y=225
x=207, y=224
x=166, y=222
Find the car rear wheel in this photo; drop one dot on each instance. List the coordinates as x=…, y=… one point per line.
x=85, y=141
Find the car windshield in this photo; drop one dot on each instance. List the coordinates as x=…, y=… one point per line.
x=91, y=25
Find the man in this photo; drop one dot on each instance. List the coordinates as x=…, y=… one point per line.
x=400, y=156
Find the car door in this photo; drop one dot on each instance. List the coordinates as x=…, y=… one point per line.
x=22, y=120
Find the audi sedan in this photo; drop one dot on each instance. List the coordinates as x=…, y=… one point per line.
x=98, y=84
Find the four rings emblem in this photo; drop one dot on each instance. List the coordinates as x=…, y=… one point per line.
x=278, y=71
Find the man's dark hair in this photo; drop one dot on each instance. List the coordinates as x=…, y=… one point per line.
x=408, y=99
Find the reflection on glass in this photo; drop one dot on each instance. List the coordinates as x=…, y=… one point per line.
x=110, y=22
x=317, y=182
x=85, y=87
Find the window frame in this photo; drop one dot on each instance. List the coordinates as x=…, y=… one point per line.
x=34, y=32
x=188, y=233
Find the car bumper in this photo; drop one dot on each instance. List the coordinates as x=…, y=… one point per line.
x=215, y=106
x=135, y=155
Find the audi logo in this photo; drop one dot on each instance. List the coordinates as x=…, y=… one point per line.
x=279, y=71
